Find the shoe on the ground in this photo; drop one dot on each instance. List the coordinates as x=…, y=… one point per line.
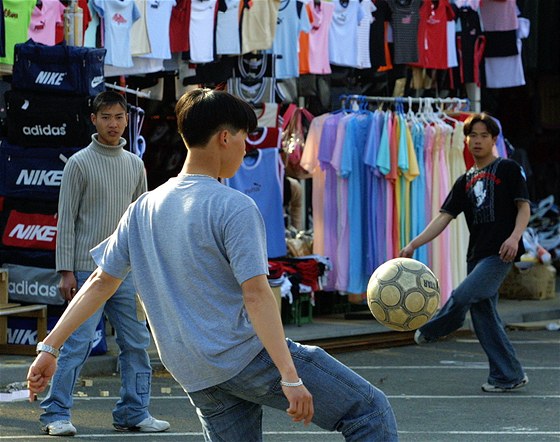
x=148, y=425
x=419, y=338
x=489, y=388
x=59, y=428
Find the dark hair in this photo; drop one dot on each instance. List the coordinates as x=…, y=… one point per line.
x=106, y=99
x=203, y=112
x=484, y=118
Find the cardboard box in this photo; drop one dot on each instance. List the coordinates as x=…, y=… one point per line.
x=537, y=282
x=278, y=296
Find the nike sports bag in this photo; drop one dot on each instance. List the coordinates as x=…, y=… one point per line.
x=32, y=173
x=70, y=70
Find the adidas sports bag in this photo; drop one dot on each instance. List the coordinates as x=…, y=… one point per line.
x=43, y=120
x=70, y=70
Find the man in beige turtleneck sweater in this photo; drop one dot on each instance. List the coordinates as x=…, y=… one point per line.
x=98, y=184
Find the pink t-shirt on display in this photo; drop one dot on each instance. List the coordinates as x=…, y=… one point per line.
x=44, y=21
x=321, y=16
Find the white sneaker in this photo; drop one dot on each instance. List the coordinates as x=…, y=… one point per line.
x=60, y=428
x=419, y=338
x=148, y=425
x=489, y=388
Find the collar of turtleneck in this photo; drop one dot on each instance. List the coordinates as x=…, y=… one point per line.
x=105, y=149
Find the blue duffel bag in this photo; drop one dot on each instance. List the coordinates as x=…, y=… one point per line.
x=70, y=70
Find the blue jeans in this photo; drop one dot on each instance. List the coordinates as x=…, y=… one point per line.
x=343, y=400
x=132, y=337
x=479, y=294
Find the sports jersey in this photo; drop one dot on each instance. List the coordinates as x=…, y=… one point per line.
x=227, y=29
x=261, y=177
x=201, y=31
x=179, y=26
x=139, y=40
x=377, y=41
x=258, y=24
x=343, y=33
x=319, y=37
x=432, y=34
x=267, y=115
x=363, y=34
x=488, y=198
x=118, y=17
x=158, y=16
x=264, y=138
x=44, y=21
x=292, y=20
x=17, y=16
x=404, y=21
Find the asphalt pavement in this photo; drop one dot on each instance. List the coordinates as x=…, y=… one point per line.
x=434, y=390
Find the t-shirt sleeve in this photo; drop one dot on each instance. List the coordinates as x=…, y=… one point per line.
x=245, y=242
x=455, y=202
x=518, y=182
x=112, y=255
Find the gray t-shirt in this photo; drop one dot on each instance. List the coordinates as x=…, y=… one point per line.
x=191, y=243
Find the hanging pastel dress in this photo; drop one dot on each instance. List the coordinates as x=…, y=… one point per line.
x=310, y=162
x=352, y=168
x=375, y=222
x=342, y=250
x=459, y=232
x=384, y=164
x=417, y=193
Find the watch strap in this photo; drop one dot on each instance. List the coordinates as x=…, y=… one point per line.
x=41, y=346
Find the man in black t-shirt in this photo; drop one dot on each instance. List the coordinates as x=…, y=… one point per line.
x=494, y=198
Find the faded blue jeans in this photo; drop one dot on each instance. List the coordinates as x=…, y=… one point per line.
x=479, y=294
x=343, y=400
x=133, y=339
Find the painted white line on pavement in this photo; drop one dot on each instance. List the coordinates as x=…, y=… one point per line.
x=484, y=433
x=473, y=396
x=292, y=433
x=400, y=396
x=542, y=341
x=445, y=366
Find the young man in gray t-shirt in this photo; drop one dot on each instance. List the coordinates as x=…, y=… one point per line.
x=198, y=250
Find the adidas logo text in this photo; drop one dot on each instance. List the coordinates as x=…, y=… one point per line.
x=48, y=130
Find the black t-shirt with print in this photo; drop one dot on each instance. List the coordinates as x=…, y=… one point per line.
x=488, y=198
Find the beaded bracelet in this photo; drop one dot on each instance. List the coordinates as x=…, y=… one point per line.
x=292, y=384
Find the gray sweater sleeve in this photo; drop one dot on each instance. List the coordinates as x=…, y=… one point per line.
x=71, y=189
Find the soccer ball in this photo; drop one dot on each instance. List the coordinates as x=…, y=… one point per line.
x=403, y=294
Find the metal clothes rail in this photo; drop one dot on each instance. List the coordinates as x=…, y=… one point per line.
x=423, y=101
x=136, y=92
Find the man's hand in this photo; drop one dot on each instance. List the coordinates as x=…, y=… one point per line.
x=508, y=249
x=301, y=404
x=67, y=285
x=407, y=251
x=40, y=373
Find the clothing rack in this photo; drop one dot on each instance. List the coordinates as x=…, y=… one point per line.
x=136, y=92
x=408, y=100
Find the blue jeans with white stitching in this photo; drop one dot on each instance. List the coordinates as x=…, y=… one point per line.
x=133, y=339
x=478, y=293
x=343, y=400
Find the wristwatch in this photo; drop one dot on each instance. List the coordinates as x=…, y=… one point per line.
x=41, y=346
